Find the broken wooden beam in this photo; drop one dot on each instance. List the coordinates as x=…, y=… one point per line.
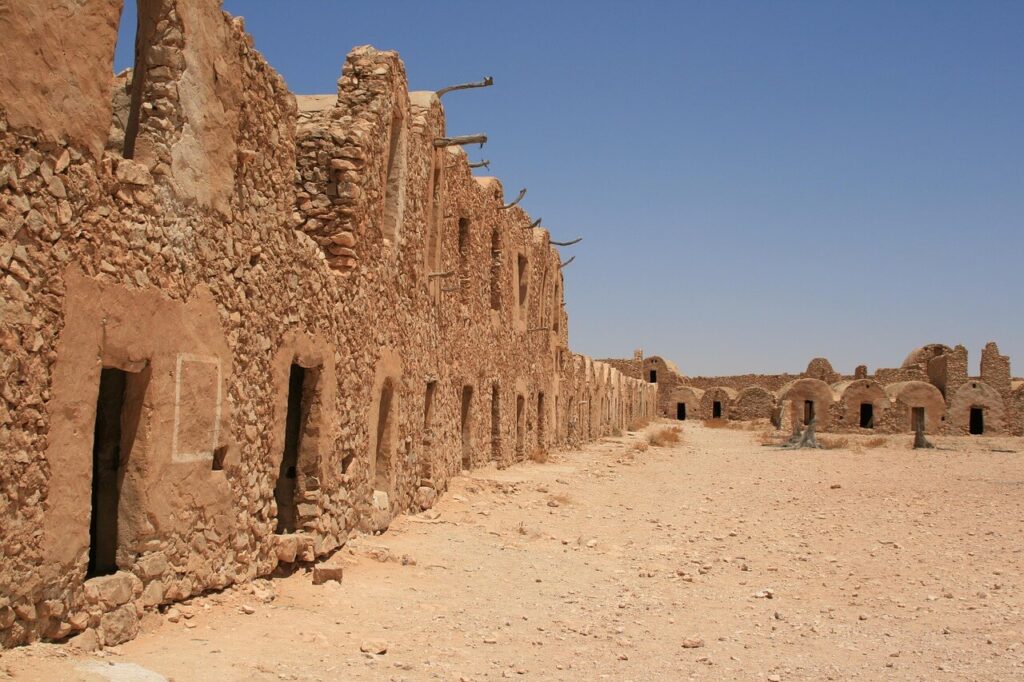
x=478, y=138
x=522, y=193
x=569, y=243
x=481, y=164
x=485, y=83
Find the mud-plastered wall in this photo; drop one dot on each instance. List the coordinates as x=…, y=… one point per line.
x=236, y=332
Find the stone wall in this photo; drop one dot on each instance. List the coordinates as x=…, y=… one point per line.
x=933, y=378
x=256, y=331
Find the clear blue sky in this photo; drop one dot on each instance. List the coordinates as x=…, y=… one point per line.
x=757, y=183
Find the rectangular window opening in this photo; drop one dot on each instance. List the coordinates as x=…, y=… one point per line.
x=716, y=409
x=681, y=411
x=652, y=378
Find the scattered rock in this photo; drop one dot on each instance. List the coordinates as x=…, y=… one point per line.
x=326, y=571
x=374, y=646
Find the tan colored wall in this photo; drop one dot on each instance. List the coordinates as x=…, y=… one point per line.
x=910, y=394
x=995, y=369
x=814, y=390
x=721, y=394
x=689, y=396
x=851, y=395
x=935, y=365
x=56, y=69
x=753, y=402
x=976, y=394
x=203, y=269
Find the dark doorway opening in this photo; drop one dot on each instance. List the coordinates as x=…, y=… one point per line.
x=107, y=471
x=977, y=422
x=540, y=420
x=867, y=416
x=681, y=411
x=495, y=423
x=716, y=409
x=428, y=410
x=426, y=465
x=467, y=427
x=520, y=425
x=653, y=378
x=284, y=491
x=917, y=419
x=385, y=437
x=808, y=411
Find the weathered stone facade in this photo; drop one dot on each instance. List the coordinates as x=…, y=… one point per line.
x=237, y=330
x=931, y=384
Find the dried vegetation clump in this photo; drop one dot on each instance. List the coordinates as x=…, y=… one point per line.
x=636, y=425
x=833, y=442
x=665, y=435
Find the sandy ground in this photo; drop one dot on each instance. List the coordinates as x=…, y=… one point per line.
x=717, y=558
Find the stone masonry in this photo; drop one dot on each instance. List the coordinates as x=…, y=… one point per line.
x=931, y=384
x=238, y=326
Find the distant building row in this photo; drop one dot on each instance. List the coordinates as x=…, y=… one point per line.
x=932, y=387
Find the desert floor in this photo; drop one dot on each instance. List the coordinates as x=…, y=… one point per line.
x=716, y=558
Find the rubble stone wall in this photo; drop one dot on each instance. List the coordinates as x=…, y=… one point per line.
x=317, y=318
x=933, y=377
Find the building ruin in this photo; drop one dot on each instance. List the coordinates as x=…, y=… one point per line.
x=930, y=387
x=240, y=326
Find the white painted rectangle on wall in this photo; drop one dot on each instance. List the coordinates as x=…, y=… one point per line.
x=197, y=407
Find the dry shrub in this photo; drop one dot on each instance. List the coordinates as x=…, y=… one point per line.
x=833, y=442
x=636, y=425
x=617, y=432
x=539, y=455
x=640, y=446
x=665, y=435
x=770, y=437
x=716, y=423
x=876, y=442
